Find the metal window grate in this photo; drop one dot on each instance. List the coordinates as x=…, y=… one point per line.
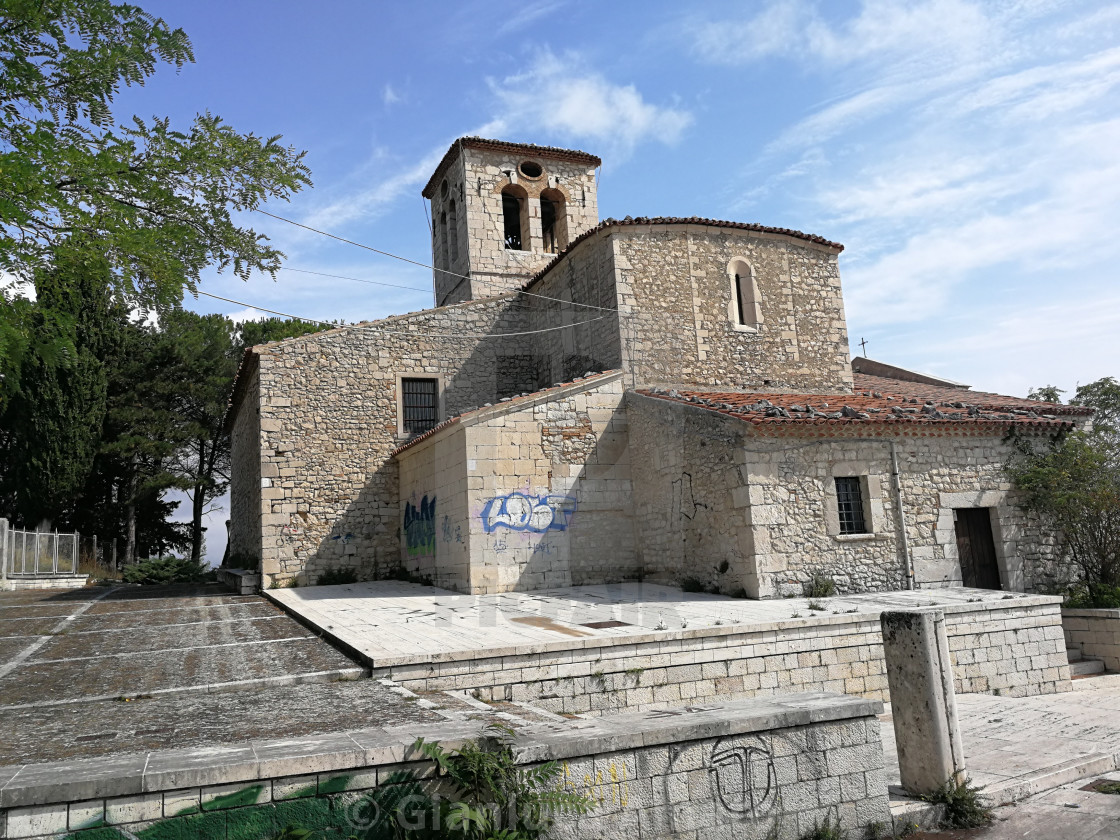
x=421, y=404
x=849, y=498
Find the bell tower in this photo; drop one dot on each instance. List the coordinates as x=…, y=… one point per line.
x=501, y=211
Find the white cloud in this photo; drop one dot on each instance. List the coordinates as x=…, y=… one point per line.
x=389, y=96
x=558, y=95
x=249, y=314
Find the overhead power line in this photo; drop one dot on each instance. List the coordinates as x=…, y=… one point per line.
x=424, y=265
x=380, y=329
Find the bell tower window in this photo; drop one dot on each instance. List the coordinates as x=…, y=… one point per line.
x=554, y=222
x=453, y=233
x=513, y=213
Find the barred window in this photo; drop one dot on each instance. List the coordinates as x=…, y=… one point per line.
x=849, y=498
x=421, y=404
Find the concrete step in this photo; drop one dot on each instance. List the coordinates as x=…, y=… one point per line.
x=1086, y=667
x=1073, y=655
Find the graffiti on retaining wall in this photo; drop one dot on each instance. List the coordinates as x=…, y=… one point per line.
x=536, y=514
x=600, y=788
x=451, y=533
x=420, y=527
x=684, y=501
x=744, y=778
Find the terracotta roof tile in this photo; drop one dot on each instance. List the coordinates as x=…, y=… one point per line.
x=982, y=399
x=451, y=421
x=553, y=152
x=867, y=408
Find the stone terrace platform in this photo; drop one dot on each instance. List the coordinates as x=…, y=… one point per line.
x=608, y=648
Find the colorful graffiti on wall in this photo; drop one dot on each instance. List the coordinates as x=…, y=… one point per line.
x=536, y=514
x=420, y=528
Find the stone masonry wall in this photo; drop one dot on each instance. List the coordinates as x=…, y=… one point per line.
x=1016, y=650
x=678, y=320
x=550, y=493
x=433, y=481
x=775, y=770
x=532, y=493
x=329, y=424
x=766, y=506
x=245, y=489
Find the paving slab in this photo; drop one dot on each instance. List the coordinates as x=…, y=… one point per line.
x=393, y=622
x=44, y=734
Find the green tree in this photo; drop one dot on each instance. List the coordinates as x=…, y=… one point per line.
x=1047, y=393
x=52, y=423
x=206, y=361
x=1073, y=483
x=155, y=202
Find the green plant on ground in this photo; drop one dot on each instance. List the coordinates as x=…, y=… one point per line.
x=401, y=573
x=336, y=577
x=964, y=805
x=294, y=832
x=1092, y=596
x=691, y=584
x=819, y=586
x=827, y=830
x=816, y=605
x=157, y=570
x=494, y=797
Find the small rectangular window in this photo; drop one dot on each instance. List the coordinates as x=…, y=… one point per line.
x=849, y=498
x=420, y=404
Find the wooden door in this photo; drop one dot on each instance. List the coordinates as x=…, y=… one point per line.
x=976, y=548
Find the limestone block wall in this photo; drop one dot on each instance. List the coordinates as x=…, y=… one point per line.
x=1096, y=633
x=1016, y=650
x=678, y=317
x=245, y=489
x=329, y=486
x=774, y=770
x=434, y=513
x=532, y=493
x=475, y=182
x=710, y=492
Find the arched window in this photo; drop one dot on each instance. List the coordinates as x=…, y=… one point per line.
x=746, y=303
x=453, y=231
x=514, y=200
x=554, y=221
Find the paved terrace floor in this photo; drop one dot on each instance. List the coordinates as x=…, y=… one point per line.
x=102, y=670
x=392, y=623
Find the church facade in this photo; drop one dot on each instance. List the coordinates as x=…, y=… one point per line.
x=663, y=399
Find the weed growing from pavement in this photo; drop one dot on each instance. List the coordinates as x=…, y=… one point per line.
x=964, y=805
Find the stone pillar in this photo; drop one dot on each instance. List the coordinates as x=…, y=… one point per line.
x=923, y=703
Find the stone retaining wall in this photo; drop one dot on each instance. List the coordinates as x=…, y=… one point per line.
x=1096, y=633
x=752, y=769
x=1014, y=651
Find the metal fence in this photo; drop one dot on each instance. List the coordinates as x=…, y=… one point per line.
x=35, y=553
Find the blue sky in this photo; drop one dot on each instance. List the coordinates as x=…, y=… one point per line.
x=966, y=153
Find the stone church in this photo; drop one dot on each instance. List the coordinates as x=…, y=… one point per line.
x=660, y=399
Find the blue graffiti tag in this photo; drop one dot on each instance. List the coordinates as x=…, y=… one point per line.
x=420, y=527
x=519, y=512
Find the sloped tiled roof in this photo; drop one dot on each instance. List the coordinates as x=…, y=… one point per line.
x=944, y=394
x=530, y=149
x=869, y=408
x=508, y=401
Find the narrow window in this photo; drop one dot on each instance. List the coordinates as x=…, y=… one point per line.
x=554, y=223
x=744, y=310
x=849, y=502
x=511, y=213
x=443, y=244
x=420, y=404
x=739, y=299
x=453, y=230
